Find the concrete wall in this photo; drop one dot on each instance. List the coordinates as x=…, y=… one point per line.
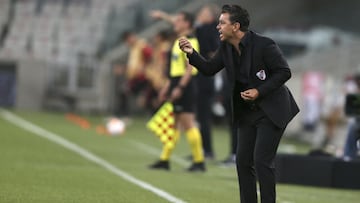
x=31, y=84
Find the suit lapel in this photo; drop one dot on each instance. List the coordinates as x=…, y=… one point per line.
x=231, y=64
x=254, y=51
x=248, y=60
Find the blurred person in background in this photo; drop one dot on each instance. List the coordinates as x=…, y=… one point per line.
x=121, y=105
x=312, y=94
x=332, y=113
x=209, y=41
x=352, y=147
x=180, y=90
x=208, y=37
x=156, y=71
x=262, y=104
x=233, y=130
x=222, y=109
x=140, y=54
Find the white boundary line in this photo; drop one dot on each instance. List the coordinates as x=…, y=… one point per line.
x=155, y=151
x=37, y=130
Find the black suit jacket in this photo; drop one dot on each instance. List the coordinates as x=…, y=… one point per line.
x=264, y=56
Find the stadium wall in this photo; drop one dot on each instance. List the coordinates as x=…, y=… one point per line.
x=30, y=82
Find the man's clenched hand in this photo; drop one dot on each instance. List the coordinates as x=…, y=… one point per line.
x=250, y=94
x=185, y=46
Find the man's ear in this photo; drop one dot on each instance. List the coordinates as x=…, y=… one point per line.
x=236, y=26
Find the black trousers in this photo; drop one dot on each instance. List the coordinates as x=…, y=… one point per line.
x=233, y=138
x=233, y=128
x=258, y=140
x=204, y=118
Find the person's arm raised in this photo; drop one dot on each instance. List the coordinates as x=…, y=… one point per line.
x=207, y=67
x=159, y=14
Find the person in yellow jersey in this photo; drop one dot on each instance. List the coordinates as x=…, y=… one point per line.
x=180, y=90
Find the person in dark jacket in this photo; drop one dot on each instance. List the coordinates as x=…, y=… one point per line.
x=262, y=105
x=207, y=35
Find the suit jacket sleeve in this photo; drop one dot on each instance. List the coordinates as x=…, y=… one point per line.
x=206, y=67
x=279, y=71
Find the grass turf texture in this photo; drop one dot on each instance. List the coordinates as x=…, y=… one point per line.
x=33, y=169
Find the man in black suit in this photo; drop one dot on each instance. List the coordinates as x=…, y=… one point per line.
x=262, y=106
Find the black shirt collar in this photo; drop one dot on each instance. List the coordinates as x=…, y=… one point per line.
x=245, y=40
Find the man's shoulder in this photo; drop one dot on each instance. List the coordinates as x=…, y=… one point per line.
x=261, y=39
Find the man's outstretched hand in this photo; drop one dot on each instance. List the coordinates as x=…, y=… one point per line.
x=185, y=46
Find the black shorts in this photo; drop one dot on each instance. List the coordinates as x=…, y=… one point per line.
x=186, y=102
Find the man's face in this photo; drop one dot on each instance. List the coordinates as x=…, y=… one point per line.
x=225, y=27
x=205, y=16
x=180, y=25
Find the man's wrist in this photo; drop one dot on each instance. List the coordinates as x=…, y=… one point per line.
x=189, y=54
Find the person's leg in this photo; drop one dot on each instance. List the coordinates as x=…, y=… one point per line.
x=357, y=137
x=167, y=149
x=330, y=125
x=233, y=139
x=204, y=119
x=350, y=148
x=233, y=132
x=231, y=159
x=124, y=104
x=187, y=122
x=245, y=163
x=267, y=142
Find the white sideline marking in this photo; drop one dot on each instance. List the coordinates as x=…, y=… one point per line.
x=155, y=151
x=26, y=125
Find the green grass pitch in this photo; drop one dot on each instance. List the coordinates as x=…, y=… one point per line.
x=35, y=170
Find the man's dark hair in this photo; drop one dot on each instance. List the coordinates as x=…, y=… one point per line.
x=188, y=17
x=237, y=14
